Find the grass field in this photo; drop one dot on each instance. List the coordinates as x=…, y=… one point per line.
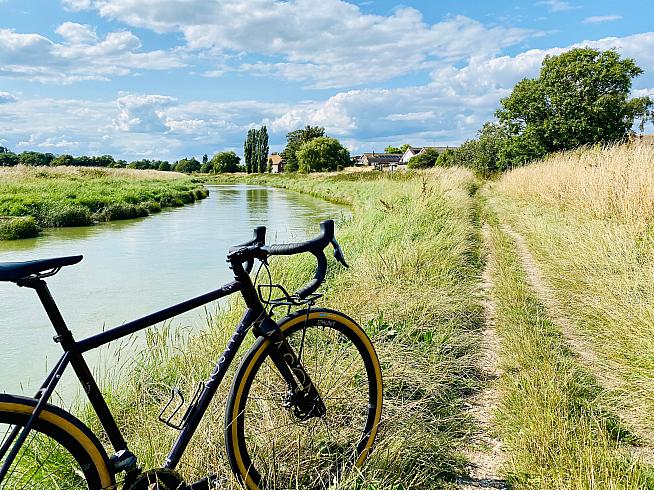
x=77, y=196
x=577, y=406
x=412, y=243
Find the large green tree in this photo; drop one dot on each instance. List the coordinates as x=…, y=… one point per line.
x=225, y=161
x=295, y=140
x=580, y=97
x=322, y=154
x=187, y=165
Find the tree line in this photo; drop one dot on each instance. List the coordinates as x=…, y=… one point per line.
x=226, y=161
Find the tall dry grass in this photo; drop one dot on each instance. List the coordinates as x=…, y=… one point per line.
x=587, y=218
x=614, y=183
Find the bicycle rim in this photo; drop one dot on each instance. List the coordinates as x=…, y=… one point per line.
x=49, y=458
x=276, y=449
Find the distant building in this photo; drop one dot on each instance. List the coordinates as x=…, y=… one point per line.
x=379, y=160
x=276, y=162
x=412, y=151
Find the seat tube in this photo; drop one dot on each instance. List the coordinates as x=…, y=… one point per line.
x=77, y=361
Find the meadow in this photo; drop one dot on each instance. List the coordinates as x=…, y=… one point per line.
x=412, y=244
x=572, y=256
x=33, y=197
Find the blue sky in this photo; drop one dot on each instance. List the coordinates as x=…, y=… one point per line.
x=173, y=78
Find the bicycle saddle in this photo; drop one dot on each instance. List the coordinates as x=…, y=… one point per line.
x=15, y=271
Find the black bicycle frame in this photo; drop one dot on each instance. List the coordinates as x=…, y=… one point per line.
x=255, y=316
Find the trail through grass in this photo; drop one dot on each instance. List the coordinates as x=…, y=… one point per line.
x=586, y=218
x=554, y=419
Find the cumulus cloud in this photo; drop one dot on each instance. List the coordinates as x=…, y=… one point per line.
x=82, y=55
x=142, y=113
x=76, y=33
x=330, y=43
x=599, y=19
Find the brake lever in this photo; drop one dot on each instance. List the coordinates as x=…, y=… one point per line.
x=338, y=253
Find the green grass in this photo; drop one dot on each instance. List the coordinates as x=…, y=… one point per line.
x=20, y=227
x=412, y=243
x=56, y=197
x=555, y=422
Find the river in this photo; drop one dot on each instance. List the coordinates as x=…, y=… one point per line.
x=135, y=267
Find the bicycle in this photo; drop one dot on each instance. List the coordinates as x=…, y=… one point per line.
x=280, y=379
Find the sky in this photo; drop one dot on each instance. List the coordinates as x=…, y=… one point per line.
x=169, y=79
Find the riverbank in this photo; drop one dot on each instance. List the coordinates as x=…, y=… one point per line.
x=34, y=197
x=413, y=246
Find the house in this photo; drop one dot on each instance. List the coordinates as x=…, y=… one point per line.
x=412, y=151
x=276, y=162
x=379, y=160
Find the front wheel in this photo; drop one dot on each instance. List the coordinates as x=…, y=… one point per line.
x=268, y=445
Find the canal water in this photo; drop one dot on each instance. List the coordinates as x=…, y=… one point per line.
x=134, y=267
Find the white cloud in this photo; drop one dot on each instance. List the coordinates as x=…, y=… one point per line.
x=82, y=55
x=598, y=19
x=557, y=5
x=6, y=97
x=76, y=5
x=77, y=33
x=142, y=113
x=327, y=44
x=446, y=110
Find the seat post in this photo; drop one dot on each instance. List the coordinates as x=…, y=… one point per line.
x=64, y=335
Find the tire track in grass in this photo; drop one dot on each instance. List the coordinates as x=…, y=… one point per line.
x=487, y=457
x=590, y=360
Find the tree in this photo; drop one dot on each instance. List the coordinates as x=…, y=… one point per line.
x=426, y=159
x=294, y=140
x=322, y=154
x=187, y=166
x=226, y=161
x=580, y=97
x=62, y=160
x=248, y=149
x=35, y=159
x=404, y=147
x=164, y=166
x=446, y=159
x=4, y=149
x=262, y=149
x=392, y=149
x=8, y=159
x=205, y=158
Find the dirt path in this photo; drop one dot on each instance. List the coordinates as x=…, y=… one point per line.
x=604, y=376
x=487, y=457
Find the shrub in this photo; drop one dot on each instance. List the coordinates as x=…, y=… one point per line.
x=121, y=210
x=426, y=159
x=20, y=227
x=65, y=215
